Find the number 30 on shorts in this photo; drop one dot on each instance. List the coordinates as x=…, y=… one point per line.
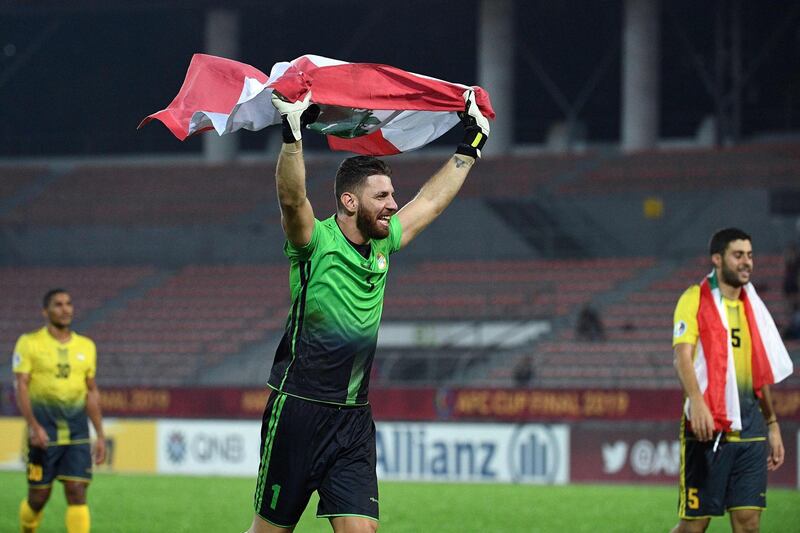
x=692, y=500
x=34, y=472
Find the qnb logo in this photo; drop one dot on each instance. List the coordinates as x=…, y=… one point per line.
x=208, y=448
x=176, y=447
x=534, y=455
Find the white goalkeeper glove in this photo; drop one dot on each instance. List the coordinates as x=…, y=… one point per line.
x=295, y=115
x=476, y=127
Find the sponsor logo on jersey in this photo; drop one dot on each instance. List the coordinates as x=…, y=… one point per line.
x=16, y=360
x=680, y=329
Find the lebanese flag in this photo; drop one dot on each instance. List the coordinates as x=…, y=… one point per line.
x=366, y=108
x=713, y=362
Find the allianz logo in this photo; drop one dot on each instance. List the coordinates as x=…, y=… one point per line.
x=524, y=453
x=534, y=454
x=411, y=452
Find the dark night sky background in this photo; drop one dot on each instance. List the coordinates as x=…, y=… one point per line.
x=101, y=67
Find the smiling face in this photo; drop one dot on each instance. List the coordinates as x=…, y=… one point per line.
x=735, y=265
x=375, y=206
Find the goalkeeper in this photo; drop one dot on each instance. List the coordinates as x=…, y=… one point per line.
x=317, y=431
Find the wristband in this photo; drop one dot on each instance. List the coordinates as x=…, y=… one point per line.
x=465, y=149
x=773, y=420
x=474, y=140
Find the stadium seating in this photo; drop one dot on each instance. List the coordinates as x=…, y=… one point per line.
x=175, y=321
x=194, y=193
x=91, y=289
x=148, y=195
x=636, y=351
x=520, y=176
x=198, y=193
x=192, y=321
x=501, y=289
x=14, y=179
x=195, y=318
x=767, y=165
x=486, y=291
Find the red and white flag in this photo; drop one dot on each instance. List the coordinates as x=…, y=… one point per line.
x=366, y=108
x=713, y=362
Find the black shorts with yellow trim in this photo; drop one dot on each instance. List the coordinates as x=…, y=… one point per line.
x=308, y=446
x=732, y=477
x=66, y=462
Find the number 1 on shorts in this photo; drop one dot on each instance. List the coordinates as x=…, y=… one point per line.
x=276, y=490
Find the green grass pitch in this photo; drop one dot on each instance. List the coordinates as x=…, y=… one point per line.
x=175, y=504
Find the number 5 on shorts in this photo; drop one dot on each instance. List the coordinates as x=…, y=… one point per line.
x=691, y=499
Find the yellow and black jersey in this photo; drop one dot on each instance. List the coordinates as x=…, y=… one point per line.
x=685, y=330
x=58, y=373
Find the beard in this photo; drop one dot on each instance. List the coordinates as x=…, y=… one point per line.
x=60, y=323
x=731, y=277
x=369, y=227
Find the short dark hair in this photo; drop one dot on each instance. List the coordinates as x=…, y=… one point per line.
x=49, y=296
x=721, y=239
x=353, y=171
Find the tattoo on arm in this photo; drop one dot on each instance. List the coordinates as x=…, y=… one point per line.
x=460, y=162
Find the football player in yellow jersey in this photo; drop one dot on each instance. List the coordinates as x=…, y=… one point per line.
x=723, y=470
x=56, y=392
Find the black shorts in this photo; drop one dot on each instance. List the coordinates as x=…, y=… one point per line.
x=733, y=477
x=308, y=446
x=72, y=462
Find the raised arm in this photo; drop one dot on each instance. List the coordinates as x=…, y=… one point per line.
x=433, y=197
x=437, y=193
x=297, y=216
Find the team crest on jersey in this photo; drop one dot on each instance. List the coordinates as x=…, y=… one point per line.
x=81, y=357
x=381, y=260
x=680, y=329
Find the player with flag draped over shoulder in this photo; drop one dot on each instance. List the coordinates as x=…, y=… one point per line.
x=317, y=431
x=727, y=354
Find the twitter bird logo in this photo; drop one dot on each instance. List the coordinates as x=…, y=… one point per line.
x=614, y=456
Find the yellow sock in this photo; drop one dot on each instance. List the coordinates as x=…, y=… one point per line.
x=28, y=518
x=77, y=519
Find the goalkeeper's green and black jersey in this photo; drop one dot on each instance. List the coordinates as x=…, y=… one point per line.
x=327, y=350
